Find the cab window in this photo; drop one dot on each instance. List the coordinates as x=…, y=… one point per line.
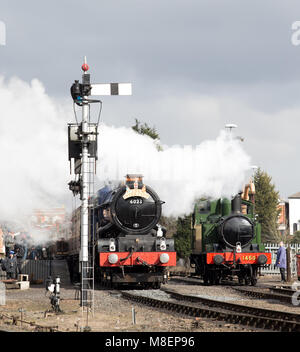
x=204, y=207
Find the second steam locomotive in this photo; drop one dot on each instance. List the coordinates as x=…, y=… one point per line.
x=227, y=239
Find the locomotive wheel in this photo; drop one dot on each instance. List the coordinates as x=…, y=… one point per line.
x=250, y=276
x=206, y=277
x=247, y=281
x=253, y=279
x=212, y=278
x=205, y=280
x=156, y=285
x=217, y=279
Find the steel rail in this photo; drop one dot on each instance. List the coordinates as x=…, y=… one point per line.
x=283, y=291
x=265, y=295
x=262, y=312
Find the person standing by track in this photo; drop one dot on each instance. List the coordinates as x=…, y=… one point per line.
x=281, y=261
x=10, y=265
x=9, y=242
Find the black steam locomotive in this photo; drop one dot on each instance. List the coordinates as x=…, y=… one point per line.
x=129, y=244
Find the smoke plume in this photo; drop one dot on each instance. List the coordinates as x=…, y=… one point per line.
x=33, y=150
x=179, y=174
x=34, y=157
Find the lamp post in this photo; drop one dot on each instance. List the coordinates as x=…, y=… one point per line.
x=230, y=126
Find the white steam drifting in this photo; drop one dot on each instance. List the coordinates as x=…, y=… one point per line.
x=33, y=149
x=34, y=157
x=214, y=168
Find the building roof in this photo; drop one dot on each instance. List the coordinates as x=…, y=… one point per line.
x=296, y=195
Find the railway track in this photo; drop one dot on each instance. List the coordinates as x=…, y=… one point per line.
x=261, y=312
x=222, y=311
x=283, y=291
x=268, y=293
x=16, y=320
x=283, y=294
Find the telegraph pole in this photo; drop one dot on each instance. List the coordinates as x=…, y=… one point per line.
x=83, y=148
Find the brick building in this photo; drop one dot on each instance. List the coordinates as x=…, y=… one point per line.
x=53, y=220
x=283, y=217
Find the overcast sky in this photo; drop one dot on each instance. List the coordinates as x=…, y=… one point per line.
x=195, y=65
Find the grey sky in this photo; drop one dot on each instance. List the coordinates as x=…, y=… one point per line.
x=195, y=65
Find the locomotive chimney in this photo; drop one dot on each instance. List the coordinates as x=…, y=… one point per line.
x=236, y=204
x=134, y=181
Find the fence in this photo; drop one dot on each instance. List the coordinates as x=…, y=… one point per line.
x=40, y=270
x=36, y=269
x=273, y=248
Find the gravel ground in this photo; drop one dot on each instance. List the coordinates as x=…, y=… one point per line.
x=113, y=313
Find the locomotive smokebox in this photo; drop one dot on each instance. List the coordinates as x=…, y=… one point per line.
x=236, y=229
x=133, y=208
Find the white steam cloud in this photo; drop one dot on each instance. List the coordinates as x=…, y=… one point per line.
x=34, y=157
x=215, y=168
x=33, y=149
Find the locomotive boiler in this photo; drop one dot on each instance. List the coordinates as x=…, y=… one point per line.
x=227, y=240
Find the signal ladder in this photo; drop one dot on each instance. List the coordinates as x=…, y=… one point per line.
x=88, y=282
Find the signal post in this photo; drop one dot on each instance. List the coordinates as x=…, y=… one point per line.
x=82, y=148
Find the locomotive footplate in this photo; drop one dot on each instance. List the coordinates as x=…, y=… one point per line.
x=160, y=259
x=239, y=258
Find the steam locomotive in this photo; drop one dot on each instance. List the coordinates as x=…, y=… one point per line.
x=226, y=240
x=130, y=246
